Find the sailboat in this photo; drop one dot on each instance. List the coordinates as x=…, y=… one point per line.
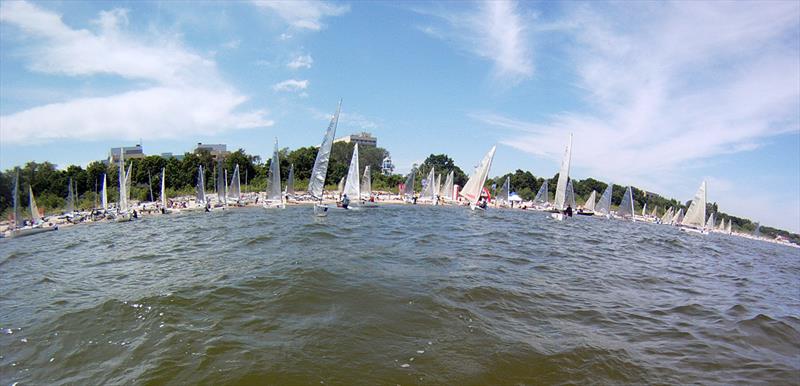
x=677, y=218
x=695, y=219
x=366, y=190
x=428, y=190
x=438, y=189
x=320, y=171
x=235, y=190
x=543, y=195
x=222, y=186
x=625, y=210
x=474, y=186
x=164, y=209
x=200, y=191
x=588, y=206
x=36, y=225
x=122, y=209
x=408, y=188
x=105, y=195
x=352, y=185
x=604, y=204
x=570, y=196
x=711, y=222
x=561, y=187
x=730, y=226
x=504, y=197
x=274, y=196
x=289, y=190
x=447, y=188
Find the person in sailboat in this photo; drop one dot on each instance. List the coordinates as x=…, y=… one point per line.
x=482, y=202
x=345, y=201
x=568, y=211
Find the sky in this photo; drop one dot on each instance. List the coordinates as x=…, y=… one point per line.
x=659, y=95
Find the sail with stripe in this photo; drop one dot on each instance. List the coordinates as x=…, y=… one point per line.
x=320, y=170
x=542, y=196
x=474, y=186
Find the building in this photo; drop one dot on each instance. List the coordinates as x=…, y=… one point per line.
x=387, y=167
x=130, y=152
x=363, y=139
x=216, y=150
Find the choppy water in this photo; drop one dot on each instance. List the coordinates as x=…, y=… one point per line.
x=395, y=295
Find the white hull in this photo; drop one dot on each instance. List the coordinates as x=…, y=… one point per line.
x=274, y=205
x=22, y=232
x=693, y=230
x=558, y=216
x=320, y=210
x=123, y=217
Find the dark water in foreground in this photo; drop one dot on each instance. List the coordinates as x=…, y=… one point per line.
x=395, y=295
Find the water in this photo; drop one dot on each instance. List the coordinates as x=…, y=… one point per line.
x=395, y=295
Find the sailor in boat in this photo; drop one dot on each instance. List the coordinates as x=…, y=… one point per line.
x=345, y=201
x=482, y=202
x=568, y=211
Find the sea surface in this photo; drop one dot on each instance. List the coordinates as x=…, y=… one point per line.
x=407, y=295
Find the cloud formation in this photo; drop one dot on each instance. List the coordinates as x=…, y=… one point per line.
x=495, y=30
x=291, y=85
x=303, y=14
x=677, y=84
x=300, y=61
x=183, y=91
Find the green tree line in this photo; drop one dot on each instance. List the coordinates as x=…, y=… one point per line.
x=49, y=183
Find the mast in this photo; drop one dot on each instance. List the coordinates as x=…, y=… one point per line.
x=17, y=216
x=163, y=187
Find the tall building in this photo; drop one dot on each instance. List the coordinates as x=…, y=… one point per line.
x=362, y=139
x=130, y=152
x=216, y=150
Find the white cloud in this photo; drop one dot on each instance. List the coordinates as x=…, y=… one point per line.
x=671, y=88
x=232, y=44
x=291, y=85
x=183, y=91
x=300, y=61
x=303, y=14
x=495, y=30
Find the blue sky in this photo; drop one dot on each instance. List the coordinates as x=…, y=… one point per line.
x=660, y=95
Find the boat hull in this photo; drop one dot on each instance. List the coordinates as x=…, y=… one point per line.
x=22, y=232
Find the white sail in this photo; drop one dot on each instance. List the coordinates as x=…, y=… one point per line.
x=505, y=191
x=408, y=188
x=677, y=218
x=340, y=187
x=589, y=204
x=70, y=197
x=474, y=186
x=274, y=189
x=35, y=217
x=655, y=212
x=563, y=177
x=696, y=214
x=290, y=181
x=626, y=206
x=320, y=171
x=352, y=185
x=604, y=205
x=128, y=181
x=730, y=226
x=17, y=215
x=105, y=194
x=123, y=193
x=438, y=186
x=667, y=217
x=721, y=225
x=222, y=184
x=542, y=196
x=428, y=190
x=366, y=184
x=711, y=221
x=235, y=190
x=569, y=197
x=163, y=187
x=644, y=208
x=447, y=189
x=200, y=190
